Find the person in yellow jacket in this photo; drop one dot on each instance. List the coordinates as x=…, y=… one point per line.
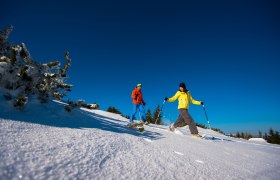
x=184, y=97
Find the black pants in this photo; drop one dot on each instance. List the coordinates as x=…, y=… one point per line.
x=185, y=118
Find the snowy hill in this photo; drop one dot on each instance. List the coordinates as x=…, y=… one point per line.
x=45, y=142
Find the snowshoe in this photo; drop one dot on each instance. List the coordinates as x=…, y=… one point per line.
x=146, y=123
x=137, y=125
x=197, y=136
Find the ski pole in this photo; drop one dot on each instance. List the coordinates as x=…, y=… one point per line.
x=160, y=111
x=206, y=116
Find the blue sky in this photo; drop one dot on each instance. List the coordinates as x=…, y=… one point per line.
x=227, y=53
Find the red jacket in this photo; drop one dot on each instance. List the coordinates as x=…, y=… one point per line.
x=137, y=96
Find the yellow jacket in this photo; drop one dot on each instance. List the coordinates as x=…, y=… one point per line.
x=183, y=99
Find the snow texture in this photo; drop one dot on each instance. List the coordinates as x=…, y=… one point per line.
x=42, y=141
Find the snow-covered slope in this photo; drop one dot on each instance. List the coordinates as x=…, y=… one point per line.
x=45, y=142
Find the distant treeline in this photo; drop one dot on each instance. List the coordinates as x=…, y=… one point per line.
x=214, y=129
x=272, y=136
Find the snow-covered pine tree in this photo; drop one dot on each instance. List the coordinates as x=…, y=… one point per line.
x=22, y=78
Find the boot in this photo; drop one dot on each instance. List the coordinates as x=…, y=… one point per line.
x=171, y=127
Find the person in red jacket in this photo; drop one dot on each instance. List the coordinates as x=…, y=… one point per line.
x=138, y=104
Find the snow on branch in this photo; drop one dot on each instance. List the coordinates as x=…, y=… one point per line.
x=21, y=77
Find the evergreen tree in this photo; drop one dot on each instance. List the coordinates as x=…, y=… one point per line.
x=149, y=117
x=21, y=77
x=238, y=135
x=242, y=135
x=157, y=115
x=271, y=132
x=273, y=137
x=270, y=135
x=277, y=137
x=113, y=110
x=260, y=134
x=201, y=125
x=265, y=136
x=247, y=136
x=126, y=116
x=217, y=130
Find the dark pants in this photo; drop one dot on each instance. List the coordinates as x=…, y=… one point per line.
x=185, y=118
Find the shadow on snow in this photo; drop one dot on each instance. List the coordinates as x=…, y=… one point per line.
x=53, y=114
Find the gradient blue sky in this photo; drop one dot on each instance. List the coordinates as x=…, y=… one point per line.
x=227, y=53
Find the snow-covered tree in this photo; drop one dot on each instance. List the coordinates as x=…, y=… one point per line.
x=22, y=78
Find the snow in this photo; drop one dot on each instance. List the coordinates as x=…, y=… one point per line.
x=258, y=140
x=45, y=142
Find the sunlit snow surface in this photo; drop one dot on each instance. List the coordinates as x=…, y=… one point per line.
x=45, y=142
